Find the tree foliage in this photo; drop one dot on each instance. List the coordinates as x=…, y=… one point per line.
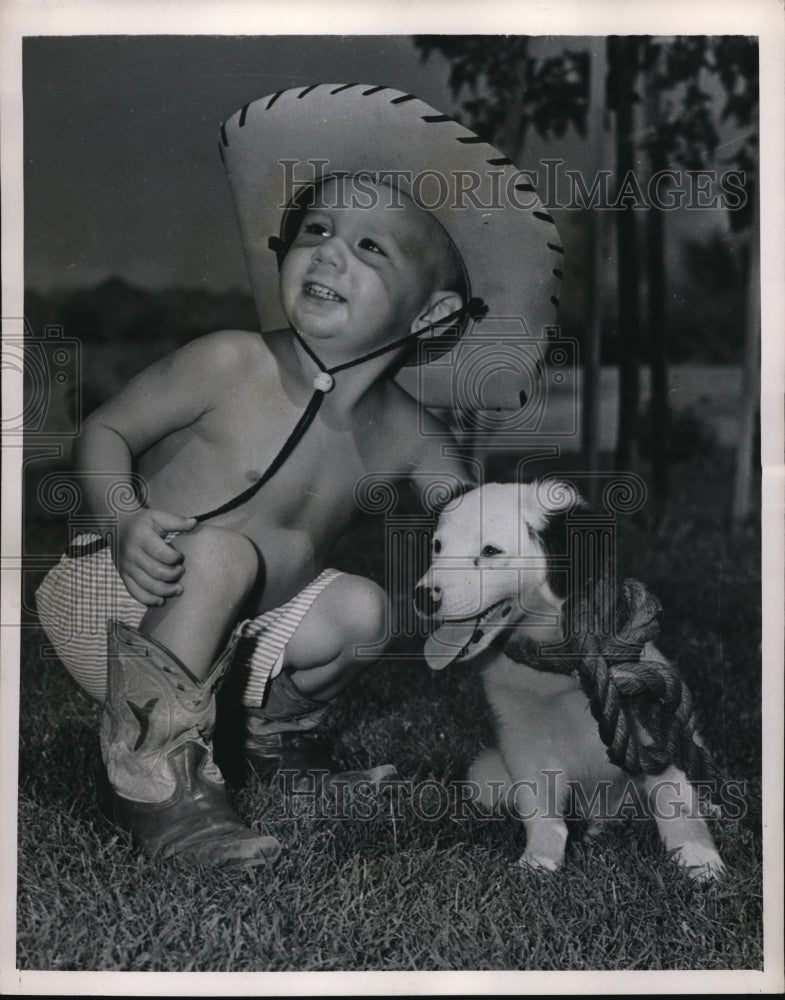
x=697, y=97
x=684, y=73
x=506, y=89
x=734, y=60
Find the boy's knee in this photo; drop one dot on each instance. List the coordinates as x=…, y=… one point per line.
x=224, y=558
x=364, y=608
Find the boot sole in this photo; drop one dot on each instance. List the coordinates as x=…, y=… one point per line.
x=109, y=811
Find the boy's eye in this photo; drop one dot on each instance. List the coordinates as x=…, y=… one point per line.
x=315, y=228
x=368, y=244
x=491, y=550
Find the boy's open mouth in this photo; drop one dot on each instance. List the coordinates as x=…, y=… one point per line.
x=318, y=291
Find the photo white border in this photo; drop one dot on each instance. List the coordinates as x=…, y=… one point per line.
x=764, y=18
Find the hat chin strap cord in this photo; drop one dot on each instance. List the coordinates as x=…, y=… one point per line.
x=323, y=382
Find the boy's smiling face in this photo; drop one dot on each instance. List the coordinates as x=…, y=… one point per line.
x=364, y=277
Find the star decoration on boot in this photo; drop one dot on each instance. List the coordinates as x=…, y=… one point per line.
x=142, y=714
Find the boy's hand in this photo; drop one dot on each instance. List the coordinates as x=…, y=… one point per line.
x=150, y=567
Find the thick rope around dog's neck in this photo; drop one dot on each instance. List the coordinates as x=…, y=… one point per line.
x=323, y=382
x=644, y=710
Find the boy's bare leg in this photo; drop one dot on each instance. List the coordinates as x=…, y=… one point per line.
x=222, y=567
x=325, y=653
x=322, y=658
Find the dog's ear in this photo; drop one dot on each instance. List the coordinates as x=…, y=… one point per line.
x=441, y=493
x=573, y=541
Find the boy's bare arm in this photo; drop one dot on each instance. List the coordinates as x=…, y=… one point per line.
x=149, y=567
x=168, y=396
x=439, y=473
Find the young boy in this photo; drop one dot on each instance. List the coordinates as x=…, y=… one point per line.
x=243, y=452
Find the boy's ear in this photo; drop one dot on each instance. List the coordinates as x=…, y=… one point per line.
x=439, y=306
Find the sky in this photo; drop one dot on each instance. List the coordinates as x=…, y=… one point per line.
x=122, y=172
x=122, y=175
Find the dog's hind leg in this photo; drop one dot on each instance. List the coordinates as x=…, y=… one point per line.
x=490, y=779
x=680, y=817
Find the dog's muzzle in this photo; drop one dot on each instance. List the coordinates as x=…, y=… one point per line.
x=427, y=600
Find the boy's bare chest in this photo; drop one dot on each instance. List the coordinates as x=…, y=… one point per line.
x=322, y=469
x=254, y=429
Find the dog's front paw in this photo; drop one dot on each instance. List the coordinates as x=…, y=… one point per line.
x=539, y=862
x=702, y=863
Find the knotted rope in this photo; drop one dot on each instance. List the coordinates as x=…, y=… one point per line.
x=644, y=710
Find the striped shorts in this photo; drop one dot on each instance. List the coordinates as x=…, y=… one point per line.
x=84, y=591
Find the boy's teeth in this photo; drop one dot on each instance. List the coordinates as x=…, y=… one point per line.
x=323, y=293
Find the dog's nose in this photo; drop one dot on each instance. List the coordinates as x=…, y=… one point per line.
x=427, y=600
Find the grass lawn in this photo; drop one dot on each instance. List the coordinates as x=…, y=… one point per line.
x=402, y=886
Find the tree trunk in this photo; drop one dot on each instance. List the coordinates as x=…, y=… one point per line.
x=750, y=401
x=594, y=280
x=658, y=357
x=627, y=258
x=659, y=418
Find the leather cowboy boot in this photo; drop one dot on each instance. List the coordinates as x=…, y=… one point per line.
x=160, y=782
x=284, y=736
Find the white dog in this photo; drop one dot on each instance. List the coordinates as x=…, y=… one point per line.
x=495, y=572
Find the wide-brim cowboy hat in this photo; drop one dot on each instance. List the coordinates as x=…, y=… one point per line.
x=276, y=146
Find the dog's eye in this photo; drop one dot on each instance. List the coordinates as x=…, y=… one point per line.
x=491, y=550
x=437, y=546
